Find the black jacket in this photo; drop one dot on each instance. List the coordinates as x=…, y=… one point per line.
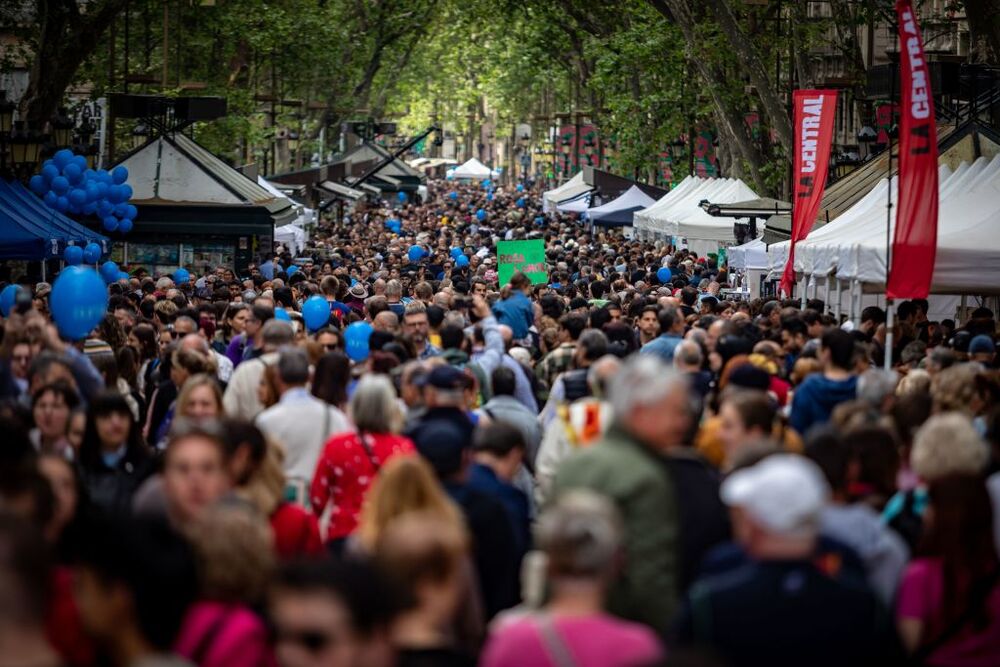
x=111, y=489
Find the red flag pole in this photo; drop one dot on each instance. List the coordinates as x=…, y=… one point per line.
x=890, y=305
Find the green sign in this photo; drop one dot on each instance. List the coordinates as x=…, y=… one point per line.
x=525, y=256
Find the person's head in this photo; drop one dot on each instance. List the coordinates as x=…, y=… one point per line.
x=982, y=349
x=276, y=334
x=571, y=326
x=877, y=387
x=233, y=546
x=135, y=581
x=292, y=368
x=373, y=406
x=415, y=323
x=671, y=320
x=745, y=416
x=503, y=381
x=688, y=357
x=520, y=281
x=649, y=321
x=649, y=401
x=775, y=506
x=871, y=318
x=948, y=444
x=109, y=427
x=62, y=475
x=330, y=378
x=794, y=335
x=600, y=374
x=331, y=613
x=185, y=362
x=260, y=314
x=837, y=350
x=501, y=447
x=234, y=322
x=194, y=469
x=200, y=398
x=48, y=368
x=592, y=345
x=404, y=484
x=185, y=326
x=386, y=321
x=51, y=406
x=954, y=389
x=581, y=535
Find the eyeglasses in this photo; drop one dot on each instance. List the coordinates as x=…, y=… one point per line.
x=313, y=641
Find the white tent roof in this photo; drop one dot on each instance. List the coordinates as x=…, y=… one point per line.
x=578, y=204
x=620, y=208
x=474, y=169
x=968, y=256
x=682, y=215
x=292, y=236
x=749, y=256
x=571, y=189
x=305, y=215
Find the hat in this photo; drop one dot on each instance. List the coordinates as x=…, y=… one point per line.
x=444, y=377
x=982, y=344
x=784, y=492
x=358, y=291
x=42, y=290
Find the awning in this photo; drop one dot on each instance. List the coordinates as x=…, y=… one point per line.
x=31, y=230
x=619, y=211
x=340, y=190
x=762, y=207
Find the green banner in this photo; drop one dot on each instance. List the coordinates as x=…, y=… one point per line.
x=525, y=256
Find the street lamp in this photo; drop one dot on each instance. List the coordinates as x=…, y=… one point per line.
x=62, y=128
x=6, y=114
x=25, y=146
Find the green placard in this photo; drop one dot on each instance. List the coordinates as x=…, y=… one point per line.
x=526, y=256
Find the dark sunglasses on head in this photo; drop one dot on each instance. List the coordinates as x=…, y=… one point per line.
x=313, y=641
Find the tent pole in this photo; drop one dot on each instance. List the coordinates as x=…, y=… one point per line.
x=961, y=308
x=826, y=293
x=838, y=293
x=805, y=290
x=890, y=316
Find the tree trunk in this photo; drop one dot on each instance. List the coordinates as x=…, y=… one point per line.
x=65, y=39
x=984, y=26
x=748, y=57
x=731, y=121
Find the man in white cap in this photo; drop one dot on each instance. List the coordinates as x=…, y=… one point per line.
x=783, y=607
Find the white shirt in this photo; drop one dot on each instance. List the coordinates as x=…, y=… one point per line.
x=301, y=424
x=240, y=399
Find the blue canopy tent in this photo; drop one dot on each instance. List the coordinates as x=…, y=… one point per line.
x=30, y=230
x=618, y=212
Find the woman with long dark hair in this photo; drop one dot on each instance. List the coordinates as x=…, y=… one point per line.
x=330, y=380
x=143, y=340
x=948, y=608
x=114, y=460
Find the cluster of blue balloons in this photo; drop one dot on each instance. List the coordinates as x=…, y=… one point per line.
x=356, y=337
x=664, y=275
x=394, y=225
x=315, y=312
x=74, y=255
x=416, y=253
x=78, y=301
x=68, y=186
x=480, y=215
x=456, y=252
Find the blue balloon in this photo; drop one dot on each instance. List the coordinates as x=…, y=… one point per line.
x=81, y=162
x=50, y=198
x=109, y=271
x=102, y=190
x=520, y=202
x=120, y=209
x=92, y=253
x=182, y=276
x=115, y=194
x=663, y=274
x=103, y=176
x=88, y=174
x=480, y=215
x=282, y=314
x=123, y=276
x=292, y=269
x=356, y=338
x=60, y=185
x=415, y=253
x=105, y=208
x=119, y=175
x=126, y=191
x=462, y=262
x=401, y=197
x=489, y=197
x=38, y=185
x=90, y=208
x=520, y=187
x=78, y=301
x=131, y=212
x=49, y=172
x=453, y=196
x=8, y=297
x=92, y=192
x=125, y=225
x=78, y=196
x=72, y=172
x=62, y=204
x=456, y=252
x=73, y=255
x=487, y=183
x=62, y=158
x=110, y=223
x=315, y=312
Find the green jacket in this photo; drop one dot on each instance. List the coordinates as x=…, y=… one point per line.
x=637, y=481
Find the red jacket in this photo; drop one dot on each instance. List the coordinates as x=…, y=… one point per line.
x=296, y=532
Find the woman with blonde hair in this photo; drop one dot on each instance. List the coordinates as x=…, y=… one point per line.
x=200, y=398
x=351, y=460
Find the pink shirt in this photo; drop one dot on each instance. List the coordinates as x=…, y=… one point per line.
x=921, y=595
x=600, y=640
x=218, y=635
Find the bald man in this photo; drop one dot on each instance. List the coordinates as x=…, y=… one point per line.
x=386, y=321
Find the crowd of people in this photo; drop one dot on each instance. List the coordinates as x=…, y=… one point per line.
x=603, y=469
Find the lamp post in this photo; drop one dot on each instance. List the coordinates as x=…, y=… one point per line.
x=62, y=129
x=293, y=148
x=25, y=147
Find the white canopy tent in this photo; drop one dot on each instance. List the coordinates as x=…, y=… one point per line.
x=570, y=190
x=578, y=204
x=305, y=215
x=620, y=211
x=684, y=217
x=475, y=170
x=292, y=236
x=751, y=256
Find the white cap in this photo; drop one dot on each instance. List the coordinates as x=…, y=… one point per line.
x=784, y=492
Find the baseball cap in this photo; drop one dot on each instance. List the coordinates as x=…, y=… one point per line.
x=982, y=344
x=784, y=493
x=444, y=377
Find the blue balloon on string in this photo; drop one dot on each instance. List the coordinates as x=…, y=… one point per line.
x=456, y=252
x=105, y=208
x=489, y=197
x=487, y=183
x=92, y=253
x=73, y=255
x=102, y=190
x=38, y=185
x=62, y=158
x=90, y=208
x=119, y=175
x=131, y=212
x=462, y=261
x=123, y=276
x=125, y=225
x=103, y=176
x=480, y=215
x=663, y=274
x=415, y=253
x=453, y=195
x=93, y=194
x=78, y=301
x=109, y=271
x=401, y=197
x=315, y=312
x=356, y=337
x=292, y=270
x=8, y=297
x=126, y=191
x=182, y=277
x=520, y=187
x=282, y=314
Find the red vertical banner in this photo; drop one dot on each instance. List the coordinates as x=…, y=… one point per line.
x=814, y=112
x=914, y=244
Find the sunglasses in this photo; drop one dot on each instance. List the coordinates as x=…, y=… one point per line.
x=314, y=641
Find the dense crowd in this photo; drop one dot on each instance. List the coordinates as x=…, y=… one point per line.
x=619, y=466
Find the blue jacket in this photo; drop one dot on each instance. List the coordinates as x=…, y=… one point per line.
x=516, y=312
x=483, y=479
x=816, y=398
x=663, y=346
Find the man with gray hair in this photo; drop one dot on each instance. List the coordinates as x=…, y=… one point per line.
x=299, y=422
x=651, y=416
x=877, y=388
x=240, y=399
x=688, y=359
